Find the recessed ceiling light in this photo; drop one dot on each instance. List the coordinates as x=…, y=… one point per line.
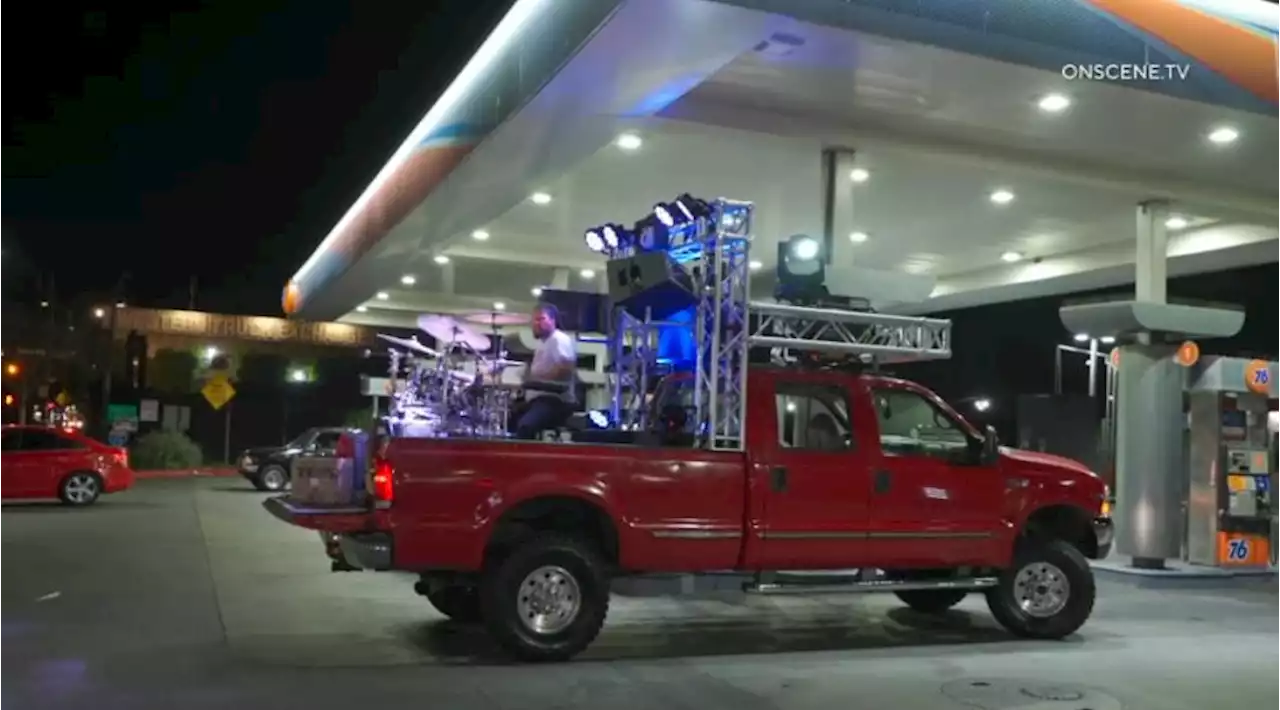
x=362, y=309
x=1081, y=337
x=1002, y=197
x=382, y=295
x=628, y=141
x=1223, y=135
x=1054, y=103
x=755, y=265
x=536, y=291
x=587, y=274
x=1010, y=256
x=499, y=306
x=540, y=198
x=857, y=237
x=480, y=235
x=1176, y=222
x=408, y=279
x=859, y=175
x=441, y=259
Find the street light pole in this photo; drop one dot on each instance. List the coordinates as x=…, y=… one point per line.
x=1093, y=352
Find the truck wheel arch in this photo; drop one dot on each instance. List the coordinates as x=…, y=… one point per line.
x=564, y=514
x=1066, y=522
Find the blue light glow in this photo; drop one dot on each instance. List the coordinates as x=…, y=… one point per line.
x=598, y=418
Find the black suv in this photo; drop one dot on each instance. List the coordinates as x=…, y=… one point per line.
x=268, y=467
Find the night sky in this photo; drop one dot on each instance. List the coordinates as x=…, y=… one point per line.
x=223, y=141
x=220, y=140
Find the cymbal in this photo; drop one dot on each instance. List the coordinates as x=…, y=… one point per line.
x=495, y=318
x=410, y=344
x=450, y=330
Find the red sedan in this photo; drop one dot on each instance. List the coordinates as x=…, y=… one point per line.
x=40, y=462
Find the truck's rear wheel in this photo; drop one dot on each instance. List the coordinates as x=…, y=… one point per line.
x=458, y=602
x=932, y=601
x=547, y=599
x=1048, y=593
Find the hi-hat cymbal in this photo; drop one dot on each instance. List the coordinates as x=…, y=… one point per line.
x=450, y=330
x=494, y=318
x=409, y=344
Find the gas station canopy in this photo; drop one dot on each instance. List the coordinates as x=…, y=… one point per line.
x=988, y=151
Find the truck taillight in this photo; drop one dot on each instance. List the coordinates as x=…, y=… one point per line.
x=382, y=486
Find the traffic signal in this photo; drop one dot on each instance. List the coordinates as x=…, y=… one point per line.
x=12, y=369
x=8, y=400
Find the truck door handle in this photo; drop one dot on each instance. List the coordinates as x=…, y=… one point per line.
x=881, y=481
x=778, y=479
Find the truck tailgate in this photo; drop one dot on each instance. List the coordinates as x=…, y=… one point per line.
x=325, y=518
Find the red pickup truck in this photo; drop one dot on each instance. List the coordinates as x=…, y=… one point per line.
x=850, y=482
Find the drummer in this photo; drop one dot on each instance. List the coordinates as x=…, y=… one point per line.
x=555, y=361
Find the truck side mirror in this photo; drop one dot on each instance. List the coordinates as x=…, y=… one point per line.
x=990, y=445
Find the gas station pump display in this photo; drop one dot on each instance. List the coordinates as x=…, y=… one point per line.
x=1230, y=505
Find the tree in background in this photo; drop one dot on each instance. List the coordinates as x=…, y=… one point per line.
x=172, y=371
x=262, y=372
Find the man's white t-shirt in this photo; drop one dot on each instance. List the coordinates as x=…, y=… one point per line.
x=558, y=349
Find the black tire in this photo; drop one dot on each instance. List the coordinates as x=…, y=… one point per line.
x=271, y=478
x=932, y=601
x=1039, y=567
x=458, y=602
x=80, y=488
x=573, y=563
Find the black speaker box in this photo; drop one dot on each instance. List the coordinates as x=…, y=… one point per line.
x=651, y=282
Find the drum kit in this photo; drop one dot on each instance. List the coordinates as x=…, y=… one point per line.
x=456, y=388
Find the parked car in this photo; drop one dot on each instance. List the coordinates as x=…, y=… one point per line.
x=840, y=472
x=268, y=467
x=41, y=462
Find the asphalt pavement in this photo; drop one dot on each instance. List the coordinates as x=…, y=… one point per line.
x=186, y=594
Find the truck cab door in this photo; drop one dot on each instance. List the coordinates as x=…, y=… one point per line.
x=811, y=477
x=934, y=502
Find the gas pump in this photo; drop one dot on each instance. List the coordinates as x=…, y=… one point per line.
x=1230, y=502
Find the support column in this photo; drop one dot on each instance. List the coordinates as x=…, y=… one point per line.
x=1150, y=263
x=1149, y=419
x=446, y=278
x=837, y=205
x=1149, y=458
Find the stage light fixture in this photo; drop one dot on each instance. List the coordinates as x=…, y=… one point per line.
x=651, y=234
x=692, y=207
x=801, y=274
x=666, y=214
x=615, y=236
x=594, y=241
x=805, y=248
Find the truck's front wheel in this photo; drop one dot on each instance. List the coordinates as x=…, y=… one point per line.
x=547, y=599
x=1048, y=593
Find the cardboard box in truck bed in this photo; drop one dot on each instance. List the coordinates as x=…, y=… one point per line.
x=326, y=480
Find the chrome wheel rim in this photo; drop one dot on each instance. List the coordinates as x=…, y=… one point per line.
x=549, y=600
x=273, y=479
x=1041, y=590
x=81, y=488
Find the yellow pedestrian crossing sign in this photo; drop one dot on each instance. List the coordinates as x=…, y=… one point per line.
x=218, y=391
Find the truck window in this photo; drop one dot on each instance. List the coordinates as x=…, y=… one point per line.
x=813, y=417
x=911, y=424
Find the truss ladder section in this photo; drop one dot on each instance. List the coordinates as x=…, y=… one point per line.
x=875, y=337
